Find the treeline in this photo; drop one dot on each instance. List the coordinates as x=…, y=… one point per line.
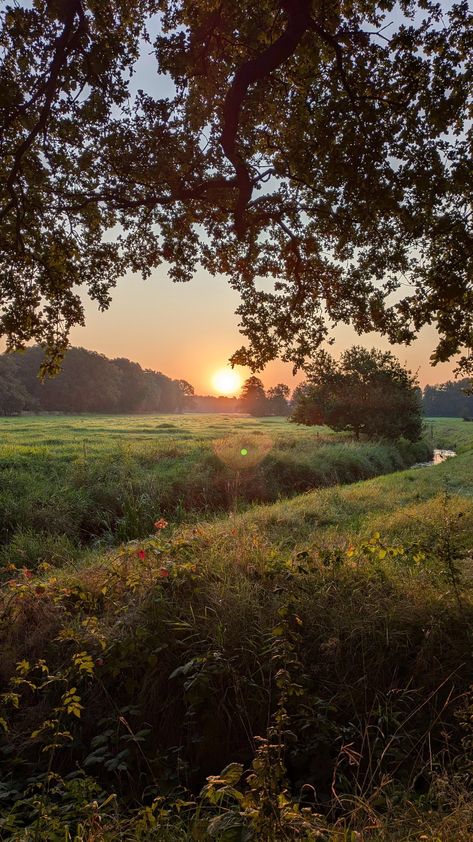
x=450, y=400
x=257, y=401
x=254, y=400
x=88, y=382
x=214, y=403
x=453, y=399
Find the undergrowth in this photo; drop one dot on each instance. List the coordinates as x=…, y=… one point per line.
x=301, y=670
x=215, y=684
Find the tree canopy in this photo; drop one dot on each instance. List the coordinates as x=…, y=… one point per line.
x=88, y=382
x=258, y=402
x=322, y=147
x=367, y=392
x=451, y=399
x=13, y=395
x=278, y=399
x=253, y=397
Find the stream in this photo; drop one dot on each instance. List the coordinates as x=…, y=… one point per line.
x=439, y=456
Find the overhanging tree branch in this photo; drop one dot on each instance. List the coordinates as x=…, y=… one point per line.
x=250, y=72
x=66, y=43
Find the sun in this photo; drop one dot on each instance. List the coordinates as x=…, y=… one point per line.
x=226, y=381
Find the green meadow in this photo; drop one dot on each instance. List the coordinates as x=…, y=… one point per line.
x=72, y=482
x=268, y=667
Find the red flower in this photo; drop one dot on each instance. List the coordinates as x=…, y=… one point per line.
x=27, y=573
x=161, y=523
x=163, y=572
x=141, y=554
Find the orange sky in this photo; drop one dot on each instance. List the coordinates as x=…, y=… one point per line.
x=190, y=330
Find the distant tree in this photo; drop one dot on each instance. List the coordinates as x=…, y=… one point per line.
x=153, y=391
x=452, y=399
x=184, y=395
x=278, y=399
x=298, y=394
x=13, y=394
x=133, y=385
x=366, y=391
x=27, y=365
x=89, y=382
x=253, y=397
x=169, y=399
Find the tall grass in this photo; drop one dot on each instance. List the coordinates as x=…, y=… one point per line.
x=326, y=626
x=297, y=670
x=105, y=480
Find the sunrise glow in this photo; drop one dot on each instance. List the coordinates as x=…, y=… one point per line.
x=226, y=381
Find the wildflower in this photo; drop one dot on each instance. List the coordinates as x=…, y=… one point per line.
x=163, y=572
x=44, y=566
x=161, y=523
x=141, y=554
x=27, y=573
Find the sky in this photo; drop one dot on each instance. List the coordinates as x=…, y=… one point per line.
x=190, y=330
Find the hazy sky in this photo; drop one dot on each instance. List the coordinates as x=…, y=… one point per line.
x=190, y=330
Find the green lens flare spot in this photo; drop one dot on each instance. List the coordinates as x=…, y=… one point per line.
x=244, y=451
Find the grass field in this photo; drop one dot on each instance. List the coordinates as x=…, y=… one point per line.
x=313, y=655
x=70, y=482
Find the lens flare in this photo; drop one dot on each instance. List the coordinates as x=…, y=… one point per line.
x=242, y=452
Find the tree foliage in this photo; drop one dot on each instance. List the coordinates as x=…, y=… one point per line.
x=253, y=397
x=365, y=391
x=88, y=382
x=278, y=399
x=323, y=147
x=13, y=395
x=453, y=399
x=185, y=394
